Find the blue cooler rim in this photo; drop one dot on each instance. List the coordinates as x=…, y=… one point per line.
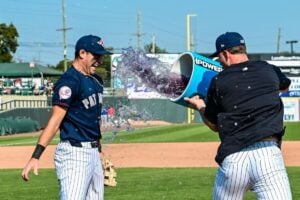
x=187, y=86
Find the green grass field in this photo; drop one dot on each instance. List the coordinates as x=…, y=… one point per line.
x=133, y=184
x=138, y=183
x=170, y=133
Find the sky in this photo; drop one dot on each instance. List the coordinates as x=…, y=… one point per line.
x=261, y=22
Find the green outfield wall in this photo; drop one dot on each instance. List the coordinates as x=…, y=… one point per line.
x=156, y=109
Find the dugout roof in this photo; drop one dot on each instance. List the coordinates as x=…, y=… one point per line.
x=26, y=70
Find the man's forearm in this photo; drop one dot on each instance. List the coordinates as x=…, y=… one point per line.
x=210, y=125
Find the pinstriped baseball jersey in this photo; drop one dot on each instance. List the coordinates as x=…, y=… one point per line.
x=82, y=96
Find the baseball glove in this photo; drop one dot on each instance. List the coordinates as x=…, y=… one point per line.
x=109, y=173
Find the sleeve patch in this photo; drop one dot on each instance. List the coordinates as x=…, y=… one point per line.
x=65, y=92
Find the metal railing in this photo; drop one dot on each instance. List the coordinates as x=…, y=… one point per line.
x=31, y=103
x=13, y=104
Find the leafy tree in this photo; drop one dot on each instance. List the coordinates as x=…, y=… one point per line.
x=60, y=65
x=8, y=42
x=285, y=53
x=148, y=49
x=105, y=70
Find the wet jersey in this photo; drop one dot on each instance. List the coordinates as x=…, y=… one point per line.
x=243, y=100
x=81, y=95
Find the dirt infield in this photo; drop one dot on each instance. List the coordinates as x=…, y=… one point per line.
x=189, y=154
x=192, y=154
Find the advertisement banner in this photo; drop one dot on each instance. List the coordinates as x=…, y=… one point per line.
x=294, y=90
x=291, y=109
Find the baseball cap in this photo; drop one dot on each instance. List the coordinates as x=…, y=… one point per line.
x=93, y=44
x=226, y=41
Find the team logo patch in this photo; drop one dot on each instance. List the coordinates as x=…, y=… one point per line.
x=100, y=42
x=65, y=92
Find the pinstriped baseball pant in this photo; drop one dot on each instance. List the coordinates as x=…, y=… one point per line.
x=79, y=172
x=259, y=168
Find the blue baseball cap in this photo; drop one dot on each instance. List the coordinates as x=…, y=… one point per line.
x=226, y=41
x=92, y=44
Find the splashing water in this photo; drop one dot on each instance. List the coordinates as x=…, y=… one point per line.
x=151, y=72
x=122, y=121
x=134, y=66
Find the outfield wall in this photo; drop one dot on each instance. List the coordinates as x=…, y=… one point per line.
x=164, y=109
x=158, y=109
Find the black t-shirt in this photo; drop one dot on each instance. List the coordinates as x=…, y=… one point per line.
x=243, y=100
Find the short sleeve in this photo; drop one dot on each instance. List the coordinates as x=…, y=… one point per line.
x=284, y=81
x=65, y=90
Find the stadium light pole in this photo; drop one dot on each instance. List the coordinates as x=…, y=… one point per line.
x=188, y=30
x=190, y=111
x=291, y=42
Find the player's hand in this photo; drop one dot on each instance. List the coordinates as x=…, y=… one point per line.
x=195, y=102
x=102, y=155
x=33, y=163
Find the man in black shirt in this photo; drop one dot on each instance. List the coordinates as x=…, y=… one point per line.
x=244, y=107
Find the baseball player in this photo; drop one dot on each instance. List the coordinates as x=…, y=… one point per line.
x=244, y=107
x=76, y=112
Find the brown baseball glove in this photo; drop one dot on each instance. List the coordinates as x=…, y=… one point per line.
x=109, y=173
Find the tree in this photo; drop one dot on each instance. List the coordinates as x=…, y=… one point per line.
x=60, y=65
x=148, y=49
x=8, y=42
x=105, y=70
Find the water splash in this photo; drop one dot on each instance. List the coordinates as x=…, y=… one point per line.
x=123, y=119
x=150, y=71
x=134, y=67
